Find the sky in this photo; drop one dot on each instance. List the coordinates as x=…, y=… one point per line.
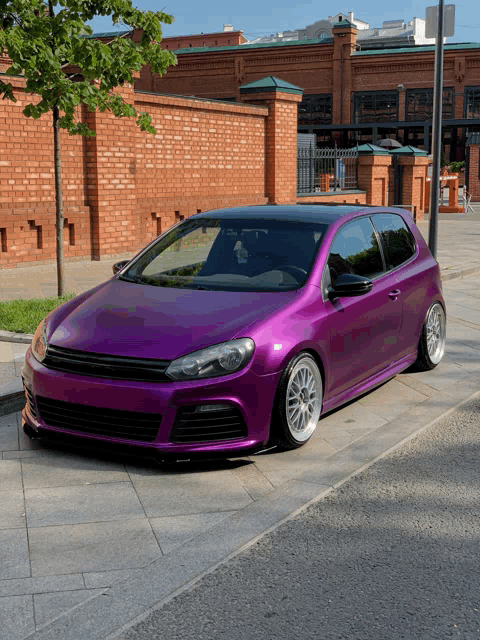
x=266, y=17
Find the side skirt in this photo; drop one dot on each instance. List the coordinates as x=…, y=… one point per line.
x=369, y=384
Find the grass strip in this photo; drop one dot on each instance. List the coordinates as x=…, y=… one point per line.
x=24, y=316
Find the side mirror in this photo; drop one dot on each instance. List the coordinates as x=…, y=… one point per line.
x=350, y=285
x=118, y=266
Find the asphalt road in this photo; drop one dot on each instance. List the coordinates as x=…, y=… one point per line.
x=394, y=553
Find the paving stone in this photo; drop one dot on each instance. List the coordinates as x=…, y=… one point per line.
x=9, y=437
x=101, y=579
x=7, y=370
x=411, y=381
x=6, y=352
x=356, y=413
x=175, y=569
x=82, y=504
x=10, y=475
x=94, y=620
x=12, y=509
x=54, y=469
x=49, y=606
x=16, y=617
x=92, y=547
x=282, y=466
x=392, y=393
x=172, y=494
x=252, y=479
x=444, y=375
x=48, y=584
x=14, y=562
x=173, y=532
x=9, y=420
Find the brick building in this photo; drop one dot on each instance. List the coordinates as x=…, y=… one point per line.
x=352, y=92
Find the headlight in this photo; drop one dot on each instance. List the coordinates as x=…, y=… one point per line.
x=39, y=342
x=212, y=362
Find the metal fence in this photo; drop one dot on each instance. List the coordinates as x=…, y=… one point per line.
x=326, y=170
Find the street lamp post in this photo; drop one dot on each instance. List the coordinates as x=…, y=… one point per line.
x=437, y=132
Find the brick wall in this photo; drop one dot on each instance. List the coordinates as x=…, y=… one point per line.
x=27, y=196
x=123, y=187
x=205, y=155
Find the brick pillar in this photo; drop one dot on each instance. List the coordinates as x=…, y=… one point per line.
x=373, y=177
x=344, y=44
x=282, y=100
x=111, y=186
x=415, y=170
x=473, y=186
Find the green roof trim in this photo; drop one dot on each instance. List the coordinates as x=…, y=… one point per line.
x=344, y=23
x=408, y=150
x=372, y=149
x=270, y=83
x=258, y=45
x=109, y=34
x=421, y=48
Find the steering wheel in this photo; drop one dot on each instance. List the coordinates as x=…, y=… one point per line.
x=296, y=270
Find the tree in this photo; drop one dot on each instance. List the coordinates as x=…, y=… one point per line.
x=48, y=42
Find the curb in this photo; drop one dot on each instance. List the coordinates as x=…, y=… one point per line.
x=19, y=338
x=457, y=275
x=12, y=403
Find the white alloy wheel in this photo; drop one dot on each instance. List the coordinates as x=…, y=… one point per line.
x=436, y=331
x=303, y=399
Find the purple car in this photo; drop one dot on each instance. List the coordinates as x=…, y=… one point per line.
x=235, y=329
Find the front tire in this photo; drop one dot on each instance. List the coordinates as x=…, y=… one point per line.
x=431, y=346
x=298, y=403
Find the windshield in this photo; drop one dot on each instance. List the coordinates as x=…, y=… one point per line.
x=230, y=255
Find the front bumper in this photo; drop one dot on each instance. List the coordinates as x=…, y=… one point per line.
x=250, y=395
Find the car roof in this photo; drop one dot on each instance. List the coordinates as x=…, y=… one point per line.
x=325, y=214
x=295, y=213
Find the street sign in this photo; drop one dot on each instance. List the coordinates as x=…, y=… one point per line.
x=431, y=21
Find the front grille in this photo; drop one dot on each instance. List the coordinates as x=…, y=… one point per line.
x=29, y=397
x=206, y=426
x=114, y=423
x=100, y=365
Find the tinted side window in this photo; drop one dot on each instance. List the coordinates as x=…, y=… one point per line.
x=397, y=238
x=355, y=250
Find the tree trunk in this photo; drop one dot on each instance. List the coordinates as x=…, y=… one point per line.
x=58, y=201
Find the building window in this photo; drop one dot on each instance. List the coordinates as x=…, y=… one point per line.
x=216, y=42
x=375, y=106
x=472, y=102
x=419, y=104
x=315, y=109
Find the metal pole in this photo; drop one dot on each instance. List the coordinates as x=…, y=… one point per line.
x=436, y=132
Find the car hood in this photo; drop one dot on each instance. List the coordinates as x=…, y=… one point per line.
x=123, y=318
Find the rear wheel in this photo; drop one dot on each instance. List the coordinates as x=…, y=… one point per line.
x=431, y=346
x=298, y=403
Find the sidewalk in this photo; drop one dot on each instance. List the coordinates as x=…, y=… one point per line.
x=89, y=543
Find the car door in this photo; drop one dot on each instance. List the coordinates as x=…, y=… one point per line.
x=363, y=330
x=400, y=251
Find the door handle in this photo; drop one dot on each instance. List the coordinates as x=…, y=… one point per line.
x=393, y=295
